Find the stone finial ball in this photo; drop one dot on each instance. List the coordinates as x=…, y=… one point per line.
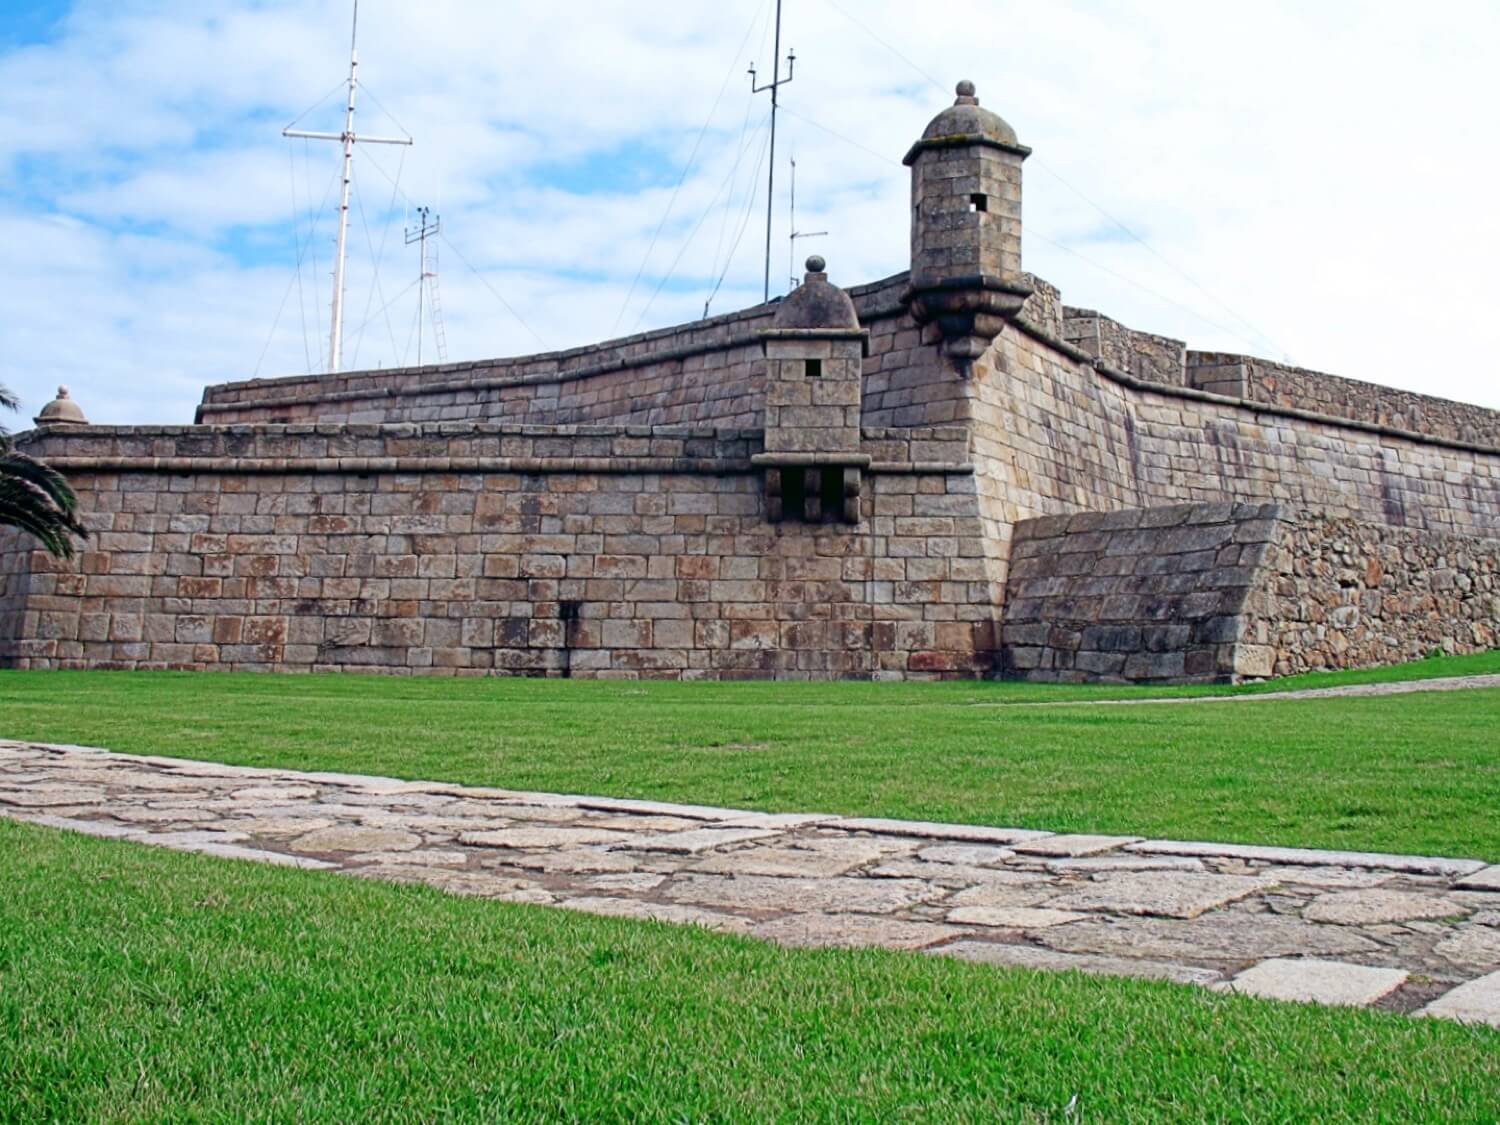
x=816, y=264
x=62, y=391
x=965, y=89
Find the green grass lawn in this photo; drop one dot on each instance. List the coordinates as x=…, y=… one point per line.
x=144, y=985
x=1412, y=773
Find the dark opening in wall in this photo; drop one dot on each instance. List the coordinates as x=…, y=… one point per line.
x=979, y=202
x=815, y=369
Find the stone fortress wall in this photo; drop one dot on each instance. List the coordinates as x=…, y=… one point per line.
x=637, y=509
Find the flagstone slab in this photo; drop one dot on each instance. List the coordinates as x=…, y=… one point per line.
x=1472, y=946
x=954, y=874
x=1030, y=957
x=275, y=793
x=969, y=855
x=43, y=796
x=1485, y=880
x=695, y=841
x=1414, y=864
x=793, y=862
x=1091, y=864
x=1014, y=917
x=1007, y=895
x=969, y=833
x=1073, y=845
x=569, y=861
x=830, y=896
x=853, y=930
x=88, y=827
x=1314, y=981
x=1350, y=878
x=347, y=838
x=1366, y=907
x=426, y=857
x=1172, y=894
x=471, y=884
x=1478, y=1001
x=1223, y=936
x=541, y=837
x=260, y=855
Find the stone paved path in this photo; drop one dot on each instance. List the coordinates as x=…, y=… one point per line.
x=1399, y=687
x=1406, y=933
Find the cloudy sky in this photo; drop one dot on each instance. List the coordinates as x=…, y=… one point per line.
x=1312, y=182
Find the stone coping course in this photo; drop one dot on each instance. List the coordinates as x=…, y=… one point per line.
x=1413, y=934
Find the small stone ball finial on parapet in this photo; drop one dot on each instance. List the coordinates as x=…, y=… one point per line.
x=816, y=264
x=965, y=92
x=61, y=411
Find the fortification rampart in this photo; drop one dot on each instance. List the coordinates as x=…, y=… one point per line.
x=1231, y=591
x=841, y=483
x=454, y=550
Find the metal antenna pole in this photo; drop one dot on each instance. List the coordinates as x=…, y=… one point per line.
x=348, y=138
x=791, y=253
x=774, y=86
x=426, y=228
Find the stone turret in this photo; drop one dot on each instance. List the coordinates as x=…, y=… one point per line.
x=814, y=359
x=61, y=411
x=966, y=226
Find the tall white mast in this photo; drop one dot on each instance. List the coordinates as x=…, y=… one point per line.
x=348, y=139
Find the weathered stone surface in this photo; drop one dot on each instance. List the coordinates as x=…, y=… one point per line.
x=193, y=840
x=1030, y=957
x=1476, y=947
x=1485, y=880
x=954, y=874
x=1168, y=893
x=568, y=861
x=1315, y=981
x=1362, y=908
x=347, y=838
x=853, y=930
x=86, y=827
x=1412, y=864
x=695, y=841
x=658, y=912
x=1353, y=878
x=1015, y=917
x=797, y=862
x=275, y=826
x=541, y=837
x=1074, y=845
x=633, y=882
x=975, y=855
x=260, y=855
x=1007, y=895
x=971, y=833
x=276, y=793
x=1478, y=1001
x=426, y=857
x=1223, y=936
x=831, y=896
x=1091, y=864
x=45, y=796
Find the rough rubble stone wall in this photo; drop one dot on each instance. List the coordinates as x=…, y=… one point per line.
x=1142, y=595
x=1156, y=359
x=1342, y=593
x=467, y=550
x=1262, y=380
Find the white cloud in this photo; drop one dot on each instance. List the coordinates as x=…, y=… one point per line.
x=1320, y=173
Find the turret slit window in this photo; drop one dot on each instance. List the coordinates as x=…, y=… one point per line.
x=814, y=369
x=979, y=202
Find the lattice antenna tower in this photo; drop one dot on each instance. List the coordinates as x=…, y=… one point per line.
x=425, y=233
x=775, y=85
x=791, y=255
x=348, y=138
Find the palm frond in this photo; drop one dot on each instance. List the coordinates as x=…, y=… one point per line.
x=36, y=498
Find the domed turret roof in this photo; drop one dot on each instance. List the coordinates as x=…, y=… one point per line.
x=816, y=303
x=967, y=122
x=61, y=411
